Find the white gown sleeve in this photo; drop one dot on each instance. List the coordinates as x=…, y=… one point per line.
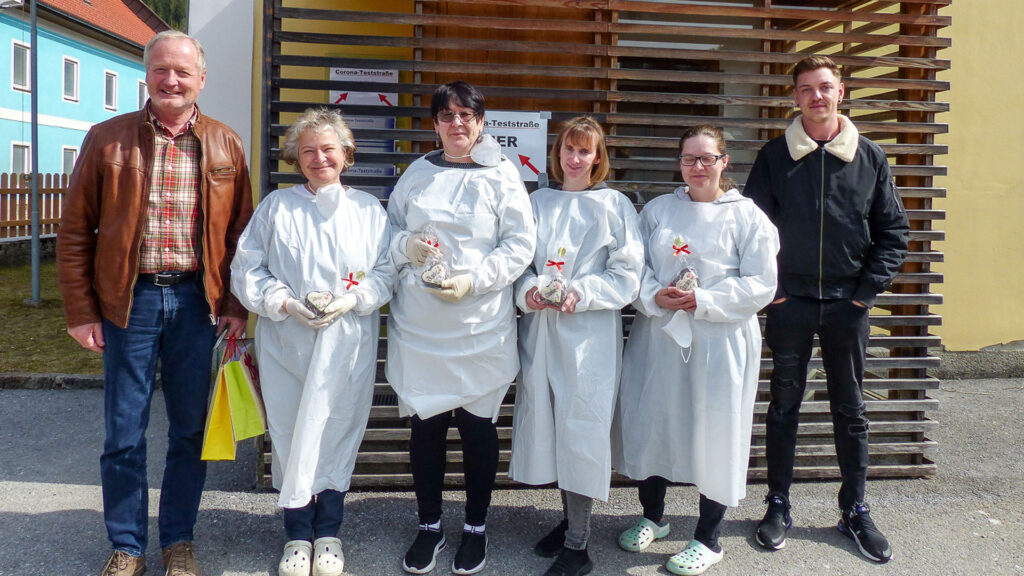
x=517, y=237
x=377, y=288
x=251, y=281
x=737, y=298
x=399, y=234
x=649, y=285
x=619, y=284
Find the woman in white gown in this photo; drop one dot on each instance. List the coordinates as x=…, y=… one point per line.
x=587, y=267
x=691, y=363
x=461, y=213
x=314, y=264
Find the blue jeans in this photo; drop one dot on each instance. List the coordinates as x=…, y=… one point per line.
x=320, y=518
x=171, y=324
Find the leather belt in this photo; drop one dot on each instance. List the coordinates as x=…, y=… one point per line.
x=165, y=279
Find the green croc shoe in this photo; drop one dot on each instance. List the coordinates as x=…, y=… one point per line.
x=638, y=537
x=693, y=560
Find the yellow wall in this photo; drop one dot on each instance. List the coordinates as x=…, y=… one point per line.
x=984, y=247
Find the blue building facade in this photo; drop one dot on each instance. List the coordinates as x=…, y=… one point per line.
x=81, y=82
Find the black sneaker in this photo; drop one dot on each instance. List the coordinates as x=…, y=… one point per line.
x=472, y=555
x=550, y=545
x=771, y=531
x=856, y=523
x=422, y=555
x=571, y=563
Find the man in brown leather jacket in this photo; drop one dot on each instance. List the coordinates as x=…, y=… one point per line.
x=155, y=206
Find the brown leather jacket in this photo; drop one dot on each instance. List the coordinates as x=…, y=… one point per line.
x=105, y=214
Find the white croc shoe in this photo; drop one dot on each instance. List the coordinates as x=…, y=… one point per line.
x=639, y=536
x=693, y=560
x=328, y=559
x=295, y=561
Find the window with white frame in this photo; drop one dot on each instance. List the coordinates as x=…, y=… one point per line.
x=68, y=156
x=19, y=67
x=143, y=94
x=70, y=79
x=110, y=90
x=21, y=158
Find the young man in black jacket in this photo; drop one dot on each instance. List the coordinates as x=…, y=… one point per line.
x=844, y=233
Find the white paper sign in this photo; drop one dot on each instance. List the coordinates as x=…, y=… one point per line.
x=523, y=137
x=364, y=98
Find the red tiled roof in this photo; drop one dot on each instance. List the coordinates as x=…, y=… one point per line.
x=128, y=19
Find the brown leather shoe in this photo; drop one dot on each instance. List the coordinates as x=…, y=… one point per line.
x=180, y=561
x=122, y=563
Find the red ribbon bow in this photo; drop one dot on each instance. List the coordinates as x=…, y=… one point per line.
x=555, y=264
x=682, y=248
x=351, y=281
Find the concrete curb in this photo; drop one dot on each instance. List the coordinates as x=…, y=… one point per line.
x=955, y=366
x=26, y=381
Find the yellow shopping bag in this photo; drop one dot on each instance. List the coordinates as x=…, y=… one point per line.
x=218, y=439
x=236, y=405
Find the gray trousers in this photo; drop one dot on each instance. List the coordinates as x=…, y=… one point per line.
x=577, y=509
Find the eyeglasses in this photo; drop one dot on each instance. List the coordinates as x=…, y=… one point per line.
x=706, y=159
x=448, y=116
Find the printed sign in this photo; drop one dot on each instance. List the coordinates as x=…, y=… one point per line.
x=368, y=122
x=523, y=137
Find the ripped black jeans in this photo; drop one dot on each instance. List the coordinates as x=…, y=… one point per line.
x=842, y=329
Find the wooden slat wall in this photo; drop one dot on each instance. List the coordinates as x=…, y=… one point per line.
x=645, y=70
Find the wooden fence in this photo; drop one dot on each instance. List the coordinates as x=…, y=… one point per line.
x=645, y=70
x=16, y=205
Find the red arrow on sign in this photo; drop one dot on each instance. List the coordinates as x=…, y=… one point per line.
x=525, y=161
x=343, y=97
x=384, y=99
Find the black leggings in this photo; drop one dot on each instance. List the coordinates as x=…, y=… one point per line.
x=652, y=498
x=428, y=454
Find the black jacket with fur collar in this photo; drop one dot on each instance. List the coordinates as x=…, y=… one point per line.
x=841, y=223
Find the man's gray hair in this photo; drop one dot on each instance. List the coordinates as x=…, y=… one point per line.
x=318, y=119
x=175, y=35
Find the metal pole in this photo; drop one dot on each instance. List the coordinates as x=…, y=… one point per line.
x=36, y=300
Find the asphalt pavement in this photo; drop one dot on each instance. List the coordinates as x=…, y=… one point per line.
x=968, y=519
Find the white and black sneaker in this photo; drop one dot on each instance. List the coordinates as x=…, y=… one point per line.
x=771, y=531
x=857, y=524
x=422, y=555
x=472, y=554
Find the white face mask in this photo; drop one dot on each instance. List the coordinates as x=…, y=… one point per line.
x=327, y=199
x=486, y=151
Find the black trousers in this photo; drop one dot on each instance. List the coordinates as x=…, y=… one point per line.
x=427, y=452
x=709, y=523
x=842, y=329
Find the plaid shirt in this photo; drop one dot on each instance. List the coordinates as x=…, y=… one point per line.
x=171, y=239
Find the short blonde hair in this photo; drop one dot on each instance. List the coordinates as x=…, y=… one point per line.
x=318, y=120
x=579, y=130
x=175, y=35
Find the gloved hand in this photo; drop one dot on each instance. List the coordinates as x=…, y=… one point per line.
x=454, y=288
x=418, y=248
x=339, y=306
x=300, y=312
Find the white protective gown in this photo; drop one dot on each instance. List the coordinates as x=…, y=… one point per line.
x=317, y=384
x=565, y=397
x=690, y=421
x=446, y=355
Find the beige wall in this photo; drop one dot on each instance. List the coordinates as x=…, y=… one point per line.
x=984, y=247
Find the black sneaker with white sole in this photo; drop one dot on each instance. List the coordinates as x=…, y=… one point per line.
x=472, y=554
x=771, y=531
x=857, y=524
x=422, y=555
